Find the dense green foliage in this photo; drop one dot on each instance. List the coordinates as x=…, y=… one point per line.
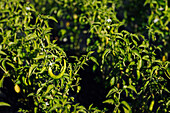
x=126, y=40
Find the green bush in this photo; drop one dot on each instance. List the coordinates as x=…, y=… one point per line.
x=71, y=34
x=134, y=72
x=32, y=60
x=36, y=35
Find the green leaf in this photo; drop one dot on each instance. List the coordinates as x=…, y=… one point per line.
x=154, y=68
x=38, y=91
x=63, y=32
x=146, y=85
x=52, y=18
x=145, y=57
x=24, y=79
x=150, y=19
x=48, y=89
x=94, y=67
x=132, y=88
x=157, y=61
x=1, y=82
x=55, y=107
x=31, y=94
x=126, y=105
x=136, y=36
x=136, y=44
x=138, y=74
x=126, y=110
x=4, y=20
x=109, y=101
x=151, y=105
x=124, y=31
x=118, y=37
x=166, y=90
x=90, y=107
x=78, y=89
x=11, y=64
x=48, y=39
x=159, y=32
x=129, y=57
x=43, y=69
x=168, y=103
x=167, y=73
x=81, y=107
x=132, y=63
x=94, y=60
x=136, y=53
x=113, y=90
x=89, y=53
x=88, y=41
x=106, y=52
x=146, y=2
x=3, y=64
x=39, y=57
x=126, y=91
x=61, y=50
x=112, y=81
x=4, y=104
x=97, y=23
x=122, y=51
x=31, y=69
x=31, y=36
x=19, y=61
x=2, y=53
x=139, y=64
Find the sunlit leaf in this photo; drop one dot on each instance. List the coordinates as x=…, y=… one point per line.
x=153, y=69
x=48, y=89
x=132, y=88
x=39, y=90
x=94, y=60
x=113, y=90
x=39, y=57
x=89, y=53
x=31, y=69
x=31, y=94
x=126, y=105
x=106, y=52
x=52, y=18
x=139, y=64
x=2, y=81
x=135, y=52
x=109, y=101
x=138, y=74
x=4, y=104
x=145, y=57
x=132, y=63
x=11, y=64
x=151, y=105
x=54, y=107
x=2, y=53
x=48, y=39
x=43, y=69
x=146, y=84
x=31, y=36
x=112, y=81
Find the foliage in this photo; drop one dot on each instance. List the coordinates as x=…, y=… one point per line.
x=71, y=34
x=131, y=53
x=135, y=76
x=26, y=56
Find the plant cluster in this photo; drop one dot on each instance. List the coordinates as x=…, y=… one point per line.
x=38, y=38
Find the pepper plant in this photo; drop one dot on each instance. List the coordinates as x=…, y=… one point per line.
x=135, y=72
x=133, y=66
x=37, y=66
